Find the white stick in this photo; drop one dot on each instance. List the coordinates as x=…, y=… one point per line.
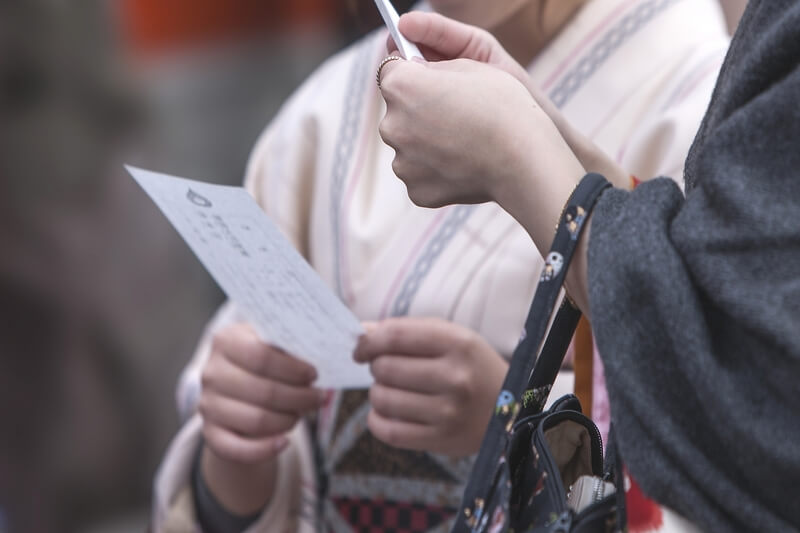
x=391, y=18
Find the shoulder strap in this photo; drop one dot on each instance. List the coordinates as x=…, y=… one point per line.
x=523, y=378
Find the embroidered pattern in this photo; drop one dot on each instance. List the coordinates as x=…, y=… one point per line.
x=386, y=515
x=513, y=417
x=572, y=82
x=346, y=143
x=535, y=397
x=539, y=485
x=498, y=521
x=552, y=266
x=505, y=402
x=535, y=452
x=574, y=219
x=455, y=220
x=476, y=520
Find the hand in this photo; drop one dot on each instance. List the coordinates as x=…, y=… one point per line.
x=562, y=158
x=465, y=132
x=436, y=384
x=441, y=38
x=252, y=396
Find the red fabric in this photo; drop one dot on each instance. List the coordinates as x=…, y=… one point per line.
x=383, y=516
x=643, y=513
x=155, y=25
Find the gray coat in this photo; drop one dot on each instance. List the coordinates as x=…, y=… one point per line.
x=696, y=301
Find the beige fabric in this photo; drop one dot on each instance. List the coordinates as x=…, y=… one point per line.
x=180, y=517
x=570, y=445
x=292, y=504
x=635, y=81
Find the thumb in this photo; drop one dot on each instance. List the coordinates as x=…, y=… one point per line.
x=447, y=38
x=458, y=65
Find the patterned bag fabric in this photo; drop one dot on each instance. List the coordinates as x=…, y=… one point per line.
x=543, y=471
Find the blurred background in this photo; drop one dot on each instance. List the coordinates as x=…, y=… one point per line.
x=101, y=303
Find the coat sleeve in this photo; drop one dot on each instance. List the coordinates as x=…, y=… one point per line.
x=695, y=301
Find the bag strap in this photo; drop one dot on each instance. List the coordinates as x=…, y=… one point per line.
x=517, y=387
x=549, y=362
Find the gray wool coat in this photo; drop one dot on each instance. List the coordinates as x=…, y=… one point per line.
x=696, y=301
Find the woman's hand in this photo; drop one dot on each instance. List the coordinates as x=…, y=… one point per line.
x=466, y=132
x=435, y=384
x=441, y=38
x=463, y=132
x=252, y=396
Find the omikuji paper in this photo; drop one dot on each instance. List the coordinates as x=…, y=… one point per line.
x=261, y=272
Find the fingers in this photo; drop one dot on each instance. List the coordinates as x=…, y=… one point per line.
x=233, y=447
x=243, y=418
x=423, y=337
x=241, y=345
x=447, y=38
x=226, y=379
x=407, y=373
x=405, y=406
x=400, y=434
x=427, y=52
x=252, y=394
x=386, y=74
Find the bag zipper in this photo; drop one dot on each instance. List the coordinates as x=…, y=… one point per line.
x=599, y=490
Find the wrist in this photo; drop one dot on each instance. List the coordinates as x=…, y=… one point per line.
x=242, y=489
x=540, y=190
x=595, y=160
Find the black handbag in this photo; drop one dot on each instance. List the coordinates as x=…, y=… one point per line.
x=544, y=471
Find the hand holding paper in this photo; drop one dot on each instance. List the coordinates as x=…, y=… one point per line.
x=283, y=298
x=253, y=394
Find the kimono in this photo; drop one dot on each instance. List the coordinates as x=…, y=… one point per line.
x=635, y=76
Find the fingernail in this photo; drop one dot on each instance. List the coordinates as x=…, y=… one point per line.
x=416, y=59
x=369, y=326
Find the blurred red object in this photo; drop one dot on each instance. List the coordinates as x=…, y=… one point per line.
x=154, y=26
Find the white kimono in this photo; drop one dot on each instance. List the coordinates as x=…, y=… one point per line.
x=633, y=75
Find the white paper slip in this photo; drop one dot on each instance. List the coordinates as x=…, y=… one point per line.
x=390, y=17
x=278, y=291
